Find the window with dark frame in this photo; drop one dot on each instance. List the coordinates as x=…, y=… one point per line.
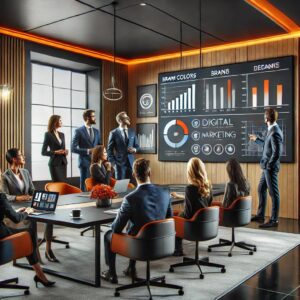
x=55, y=91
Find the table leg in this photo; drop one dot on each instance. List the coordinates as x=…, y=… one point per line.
x=97, y=256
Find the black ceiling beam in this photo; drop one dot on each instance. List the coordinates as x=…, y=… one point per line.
x=135, y=23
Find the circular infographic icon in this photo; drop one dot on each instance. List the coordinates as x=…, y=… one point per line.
x=146, y=101
x=195, y=135
x=195, y=123
x=176, y=133
x=230, y=149
x=195, y=149
x=206, y=149
x=218, y=149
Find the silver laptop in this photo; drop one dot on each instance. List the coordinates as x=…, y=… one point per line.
x=44, y=202
x=121, y=186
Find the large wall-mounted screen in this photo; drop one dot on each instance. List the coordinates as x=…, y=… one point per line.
x=210, y=112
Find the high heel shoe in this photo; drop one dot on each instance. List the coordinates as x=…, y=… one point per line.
x=47, y=283
x=50, y=256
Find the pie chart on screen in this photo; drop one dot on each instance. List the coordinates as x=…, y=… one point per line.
x=176, y=133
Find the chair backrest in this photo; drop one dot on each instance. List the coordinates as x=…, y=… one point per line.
x=62, y=188
x=89, y=184
x=15, y=246
x=238, y=213
x=154, y=240
x=203, y=225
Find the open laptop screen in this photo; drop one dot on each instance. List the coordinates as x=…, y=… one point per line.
x=46, y=201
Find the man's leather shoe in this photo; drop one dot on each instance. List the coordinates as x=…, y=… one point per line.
x=130, y=272
x=269, y=224
x=109, y=276
x=257, y=219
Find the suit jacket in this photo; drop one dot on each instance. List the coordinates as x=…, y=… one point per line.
x=147, y=203
x=10, y=185
x=81, y=143
x=6, y=211
x=272, y=149
x=117, y=149
x=232, y=192
x=100, y=174
x=51, y=142
x=194, y=201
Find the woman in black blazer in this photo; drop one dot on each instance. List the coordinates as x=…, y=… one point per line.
x=100, y=168
x=198, y=194
x=54, y=146
x=6, y=211
x=237, y=186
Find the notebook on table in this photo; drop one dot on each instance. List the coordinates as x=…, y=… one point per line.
x=44, y=202
x=121, y=187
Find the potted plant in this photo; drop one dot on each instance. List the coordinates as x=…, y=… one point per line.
x=103, y=194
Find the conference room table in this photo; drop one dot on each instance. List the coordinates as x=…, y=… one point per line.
x=92, y=216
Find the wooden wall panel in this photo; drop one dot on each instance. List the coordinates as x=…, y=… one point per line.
x=168, y=172
x=12, y=66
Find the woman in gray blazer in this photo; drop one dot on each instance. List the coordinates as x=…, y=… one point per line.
x=18, y=186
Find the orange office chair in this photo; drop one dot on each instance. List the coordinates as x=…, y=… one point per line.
x=155, y=240
x=14, y=247
x=236, y=215
x=89, y=184
x=63, y=189
x=203, y=226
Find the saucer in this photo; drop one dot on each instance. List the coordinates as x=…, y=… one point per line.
x=75, y=218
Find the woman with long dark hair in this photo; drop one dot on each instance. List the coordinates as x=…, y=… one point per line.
x=237, y=186
x=54, y=146
x=100, y=168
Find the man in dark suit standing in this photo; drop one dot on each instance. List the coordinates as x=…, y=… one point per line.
x=147, y=203
x=270, y=165
x=84, y=141
x=122, y=144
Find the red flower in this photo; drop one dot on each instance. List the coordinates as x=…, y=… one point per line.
x=102, y=191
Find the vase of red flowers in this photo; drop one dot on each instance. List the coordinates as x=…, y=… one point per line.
x=103, y=194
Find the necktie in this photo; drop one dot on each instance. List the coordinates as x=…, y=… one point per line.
x=91, y=134
x=125, y=137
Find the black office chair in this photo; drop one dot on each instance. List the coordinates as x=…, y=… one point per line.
x=238, y=214
x=203, y=226
x=155, y=240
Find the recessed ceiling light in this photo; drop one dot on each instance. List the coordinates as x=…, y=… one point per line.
x=143, y=4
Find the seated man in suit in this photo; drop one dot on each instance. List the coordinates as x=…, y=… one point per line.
x=145, y=204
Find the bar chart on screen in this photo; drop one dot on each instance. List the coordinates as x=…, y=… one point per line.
x=146, y=135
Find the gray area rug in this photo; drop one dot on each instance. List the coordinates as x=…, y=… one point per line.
x=79, y=259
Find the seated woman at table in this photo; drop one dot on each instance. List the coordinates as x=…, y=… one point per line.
x=237, y=186
x=198, y=194
x=100, y=169
x=6, y=211
x=18, y=186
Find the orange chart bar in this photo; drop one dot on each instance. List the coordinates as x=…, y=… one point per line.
x=254, y=96
x=279, y=94
x=229, y=93
x=266, y=92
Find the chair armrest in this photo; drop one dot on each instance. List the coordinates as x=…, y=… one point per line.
x=120, y=243
x=179, y=226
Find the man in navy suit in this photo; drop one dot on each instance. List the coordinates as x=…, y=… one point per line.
x=270, y=165
x=85, y=139
x=147, y=203
x=121, y=146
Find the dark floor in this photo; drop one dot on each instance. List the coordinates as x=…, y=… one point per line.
x=280, y=280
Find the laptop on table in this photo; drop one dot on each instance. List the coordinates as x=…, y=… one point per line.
x=44, y=202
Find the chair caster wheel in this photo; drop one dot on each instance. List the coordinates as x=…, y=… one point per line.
x=26, y=292
x=171, y=270
x=68, y=246
x=255, y=249
x=117, y=294
x=201, y=276
x=181, y=292
x=223, y=270
x=208, y=250
x=229, y=254
x=251, y=253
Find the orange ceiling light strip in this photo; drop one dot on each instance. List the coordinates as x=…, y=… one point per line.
x=60, y=45
x=274, y=14
x=216, y=48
